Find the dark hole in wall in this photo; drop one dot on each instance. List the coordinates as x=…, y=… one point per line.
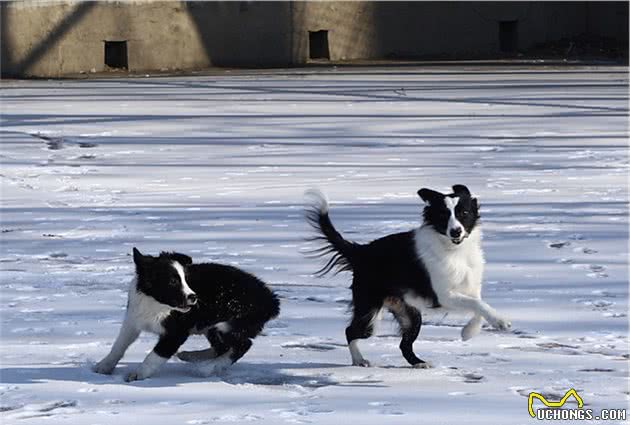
x=116, y=54
x=508, y=36
x=318, y=44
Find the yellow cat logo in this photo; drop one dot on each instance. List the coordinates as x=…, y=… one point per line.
x=560, y=403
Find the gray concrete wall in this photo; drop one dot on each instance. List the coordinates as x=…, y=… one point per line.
x=55, y=38
x=453, y=30
x=51, y=39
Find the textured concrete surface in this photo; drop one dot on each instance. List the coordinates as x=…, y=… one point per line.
x=56, y=38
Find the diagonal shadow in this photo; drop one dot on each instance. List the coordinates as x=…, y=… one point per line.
x=21, y=67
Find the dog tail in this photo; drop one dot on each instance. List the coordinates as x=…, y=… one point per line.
x=342, y=250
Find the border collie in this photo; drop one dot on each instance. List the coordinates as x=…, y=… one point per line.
x=439, y=264
x=174, y=298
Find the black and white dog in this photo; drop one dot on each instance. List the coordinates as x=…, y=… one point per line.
x=439, y=264
x=174, y=298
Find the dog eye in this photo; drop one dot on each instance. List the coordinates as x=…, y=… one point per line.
x=464, y=213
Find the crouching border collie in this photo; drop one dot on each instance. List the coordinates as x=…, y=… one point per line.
x=440, y=264
x=174, y=298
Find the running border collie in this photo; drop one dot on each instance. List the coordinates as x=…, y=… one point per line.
x=174, y=298
x=439, y=264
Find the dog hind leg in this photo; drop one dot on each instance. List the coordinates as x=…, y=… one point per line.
x=410, y=321
x=361, y=327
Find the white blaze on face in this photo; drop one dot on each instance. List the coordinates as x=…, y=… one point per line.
x=182, y=277
x=453, y=223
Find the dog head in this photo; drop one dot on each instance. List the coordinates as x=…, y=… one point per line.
x=454, y=215
x=164, y=279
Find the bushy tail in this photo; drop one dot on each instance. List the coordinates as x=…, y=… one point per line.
x=342, y=251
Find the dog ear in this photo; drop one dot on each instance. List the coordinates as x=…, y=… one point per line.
x=137, y=255
x=430, y=196
x=461, y=189
x=182, y=259
x=138, y=258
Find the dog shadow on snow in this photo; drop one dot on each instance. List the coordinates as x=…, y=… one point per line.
x=173, y=374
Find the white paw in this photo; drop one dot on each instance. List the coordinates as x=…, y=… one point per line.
x=362, y=363
x=422, y=365
x=214, y=366
x=103, y=367
x=501, y=323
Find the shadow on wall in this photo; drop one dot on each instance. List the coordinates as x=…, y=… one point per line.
x=244, y=33
x=5, y=57
x=9, y=64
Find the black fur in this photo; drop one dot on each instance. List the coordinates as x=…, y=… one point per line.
x=386, y=269
x=224, y=293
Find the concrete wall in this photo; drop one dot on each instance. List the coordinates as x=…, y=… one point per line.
x=453, y=30
x=352, y=30
x=54, y=38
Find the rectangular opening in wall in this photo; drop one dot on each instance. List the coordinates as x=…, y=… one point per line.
x=116, y=54
x=508, y=36
x=318, y=44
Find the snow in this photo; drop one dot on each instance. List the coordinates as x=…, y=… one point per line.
x=216, y=167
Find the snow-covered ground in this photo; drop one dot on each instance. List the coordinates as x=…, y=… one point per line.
x=216, y=166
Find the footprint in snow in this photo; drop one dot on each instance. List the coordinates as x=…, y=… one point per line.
x=585, y=250
x=52, y=408
x=596, y=369
x=301, y=411
x=391, y=412
x=558, y=245
x=472, y=378
x=596, y=304
x=312, y=346
x=380, y=403
x=386, y=408
x=614, y=314
x=595, y=270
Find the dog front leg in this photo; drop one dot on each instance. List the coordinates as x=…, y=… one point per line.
x=477, y=305
x=127, y=335
x=168, y=345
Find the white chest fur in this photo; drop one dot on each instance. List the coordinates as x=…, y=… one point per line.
x=452, y=268
x=144, y=312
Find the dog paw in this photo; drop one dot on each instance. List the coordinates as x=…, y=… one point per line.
x=132, y=376
x=422, y=365
x=362, y=363
x=501, y=323
x=104, y=368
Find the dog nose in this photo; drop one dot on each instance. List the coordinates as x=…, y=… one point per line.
x=456, y=233
x=192, y=299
